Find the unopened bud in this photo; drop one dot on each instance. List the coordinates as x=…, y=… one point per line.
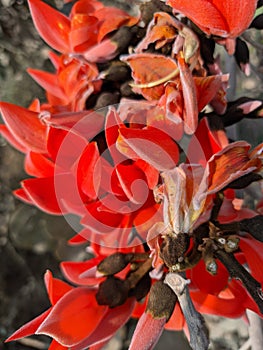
x=142, y=288
x=114, y=263
x=112, y=292
x=161, y=301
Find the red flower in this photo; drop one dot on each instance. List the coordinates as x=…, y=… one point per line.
x=111, y=191
x=75, y=319
x=71, y=85
x=84, y=31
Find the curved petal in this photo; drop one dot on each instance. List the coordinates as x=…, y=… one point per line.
x=253, y=253
x=189, y=97
x=206, y=282
x=52, y=25
x=112, y=18
x=36, y=164
x=74, y=317
x=73, y=271
x=89, y=170
x=113, y=320
x=55, y=288
x=56, y=346
x=144, y=142
x=29, y=328
x=42, y=193
x=25, y=126
x=11, y=139
x=48, y=82
x=147, y=332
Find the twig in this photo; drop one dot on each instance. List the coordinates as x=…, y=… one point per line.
x=198, y=332
x=237, y=271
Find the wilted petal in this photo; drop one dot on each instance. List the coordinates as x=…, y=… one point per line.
x=230, y=164
x=189, y=96
x=161, y=30
x=207, y=88
x=149, y=70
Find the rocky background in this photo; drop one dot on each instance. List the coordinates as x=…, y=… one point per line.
x=31, y=241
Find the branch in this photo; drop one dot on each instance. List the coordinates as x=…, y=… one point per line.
x=198, y=332
x=237, y=271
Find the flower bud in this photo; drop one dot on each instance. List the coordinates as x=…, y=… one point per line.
x=142, y=288
x=112, y=292
x=114, y=263
x=161, y=301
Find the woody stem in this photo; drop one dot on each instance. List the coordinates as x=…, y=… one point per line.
x=137, y=275
x=237, y=271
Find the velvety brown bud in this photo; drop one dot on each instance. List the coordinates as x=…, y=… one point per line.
x=114, y=263
x=142, y=288
x=161, y=301
x=207, y=49
x=126, y=90
x=257, y=22
x=244, y=181
x=106, y=99
x=235, y=112
x=122, y=38
x=254, y=226
x=112, y=292
x=241, y=52
x=118, y=71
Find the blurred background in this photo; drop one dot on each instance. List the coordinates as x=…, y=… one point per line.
x=31, y=241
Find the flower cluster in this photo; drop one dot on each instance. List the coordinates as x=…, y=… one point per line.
x=132, y=139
